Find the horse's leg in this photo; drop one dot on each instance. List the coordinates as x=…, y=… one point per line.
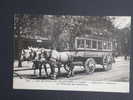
x=71, y=68
x=53, y=73
x=45, y=68
x=70, y=71
x=19, y=63
x=59, y=66
x=51, y=68
x=33, y=66
x=40, y=74
x=40, y=68
x=66, y=69
x=34, y=71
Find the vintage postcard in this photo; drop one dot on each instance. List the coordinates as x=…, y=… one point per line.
x=72, y=53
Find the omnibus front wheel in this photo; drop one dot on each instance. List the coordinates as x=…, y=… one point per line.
x=89, y=65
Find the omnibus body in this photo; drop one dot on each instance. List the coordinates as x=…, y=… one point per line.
x=91, y=50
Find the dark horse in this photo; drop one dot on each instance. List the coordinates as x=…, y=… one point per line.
x=39, y=62
x=57, y=60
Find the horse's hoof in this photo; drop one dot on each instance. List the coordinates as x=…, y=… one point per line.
x=72, y=74
x=68, y=76
x=53, y=77
x=59, y=73
x=46, y=76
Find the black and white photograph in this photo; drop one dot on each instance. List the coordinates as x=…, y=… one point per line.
x=71, y=53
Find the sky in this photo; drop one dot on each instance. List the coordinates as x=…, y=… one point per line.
x=122, y=21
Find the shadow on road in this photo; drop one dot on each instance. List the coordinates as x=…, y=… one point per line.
x=61, y=75
x=99, y=70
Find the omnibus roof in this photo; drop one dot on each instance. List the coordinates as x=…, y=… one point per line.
x=94, y=37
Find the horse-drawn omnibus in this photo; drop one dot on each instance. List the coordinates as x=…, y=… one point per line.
x=87, y=52
x=91, y=50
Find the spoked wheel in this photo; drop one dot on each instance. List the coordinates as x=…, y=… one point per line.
x=90, y=65
x=107, y=63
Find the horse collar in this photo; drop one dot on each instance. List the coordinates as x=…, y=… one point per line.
x=50, y=53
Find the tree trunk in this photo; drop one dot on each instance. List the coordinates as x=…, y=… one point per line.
x=19, y=51
x=19, y=58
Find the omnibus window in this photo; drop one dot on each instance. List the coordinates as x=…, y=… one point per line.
x=109, y=45
x=105, y=45
x=100, y=45
x=94, y=44
x=88, y=43
x=66, y=45
x=80, y=43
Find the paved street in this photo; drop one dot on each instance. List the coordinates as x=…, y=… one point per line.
x=119, y=72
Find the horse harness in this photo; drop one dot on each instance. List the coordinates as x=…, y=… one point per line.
x=59, y=58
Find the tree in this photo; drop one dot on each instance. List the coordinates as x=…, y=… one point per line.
x=79, y=25
x=55, y=27
x=25, y=26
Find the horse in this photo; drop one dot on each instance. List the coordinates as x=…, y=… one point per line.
x=57, y=60
x=39, y=61
x=27, y=55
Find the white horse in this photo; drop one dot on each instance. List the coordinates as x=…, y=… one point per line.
x=59, y=59
x=26, y=55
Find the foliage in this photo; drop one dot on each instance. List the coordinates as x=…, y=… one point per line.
x=61, y=29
